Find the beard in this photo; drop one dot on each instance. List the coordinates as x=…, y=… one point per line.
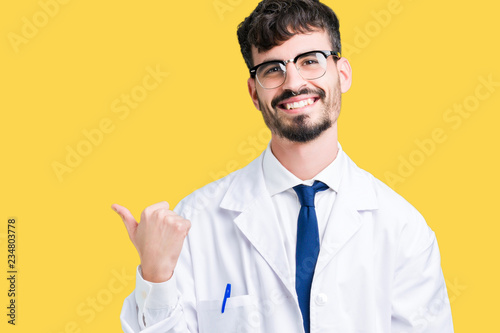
x=300, y=128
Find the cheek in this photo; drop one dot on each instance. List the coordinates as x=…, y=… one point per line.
x=264, y=98
x=332, y=85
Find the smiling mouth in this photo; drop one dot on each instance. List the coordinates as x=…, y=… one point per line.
x=298, y=105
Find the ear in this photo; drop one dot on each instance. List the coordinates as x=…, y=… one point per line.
x=345, y=74
x=252, y=89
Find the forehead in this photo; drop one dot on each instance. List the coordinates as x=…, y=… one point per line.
x=299, y=43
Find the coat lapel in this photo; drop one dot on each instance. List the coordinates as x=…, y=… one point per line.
x=356, y=193
x=257, y=220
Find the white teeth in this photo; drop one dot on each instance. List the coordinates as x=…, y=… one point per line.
x=302, y=103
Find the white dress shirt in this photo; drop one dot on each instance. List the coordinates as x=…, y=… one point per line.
x=280, y=183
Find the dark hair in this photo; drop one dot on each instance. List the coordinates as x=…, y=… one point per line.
x=275, y=21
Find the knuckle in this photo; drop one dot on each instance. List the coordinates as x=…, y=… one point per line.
x=157, y=214
x=146, y=212
x=168, y=218
x=161, y=215
x=183, y=226
x=180, y=228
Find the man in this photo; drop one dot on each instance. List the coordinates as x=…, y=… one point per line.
x=301, y=239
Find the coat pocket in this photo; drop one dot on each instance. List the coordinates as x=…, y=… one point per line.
x=239, y=315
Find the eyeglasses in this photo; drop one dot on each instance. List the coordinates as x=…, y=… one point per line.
x=310, y=65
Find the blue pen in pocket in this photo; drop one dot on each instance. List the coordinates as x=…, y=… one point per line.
x=227, y=294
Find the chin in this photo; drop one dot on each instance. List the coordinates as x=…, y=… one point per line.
x=302, y=133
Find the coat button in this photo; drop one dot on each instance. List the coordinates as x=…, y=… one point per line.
x=321, y=299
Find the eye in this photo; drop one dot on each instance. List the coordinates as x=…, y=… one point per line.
x=271, y=69
x=309, y=60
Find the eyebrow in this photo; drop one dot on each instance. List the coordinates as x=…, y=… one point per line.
x=300, y=53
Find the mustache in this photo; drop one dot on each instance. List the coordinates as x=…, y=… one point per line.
x=289, y=93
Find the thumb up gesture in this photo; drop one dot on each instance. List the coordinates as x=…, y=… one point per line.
x=158, y=239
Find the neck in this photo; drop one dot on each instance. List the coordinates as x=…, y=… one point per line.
x=306, y=160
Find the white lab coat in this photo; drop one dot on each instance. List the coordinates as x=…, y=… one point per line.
x=378, y=269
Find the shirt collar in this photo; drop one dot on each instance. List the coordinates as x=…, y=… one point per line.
x=279, y=179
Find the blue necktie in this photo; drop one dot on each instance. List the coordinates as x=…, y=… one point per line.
x=307, y=250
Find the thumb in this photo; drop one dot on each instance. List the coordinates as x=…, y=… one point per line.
x=128, y=219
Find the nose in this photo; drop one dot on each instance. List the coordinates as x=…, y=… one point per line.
x=293, y=80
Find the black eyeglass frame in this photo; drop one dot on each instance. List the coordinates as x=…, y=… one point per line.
x=253, y=70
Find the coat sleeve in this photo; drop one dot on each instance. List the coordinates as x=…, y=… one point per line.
x=419, y=300
x=146, y=311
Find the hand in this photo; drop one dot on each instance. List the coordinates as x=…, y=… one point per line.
x=158, y=239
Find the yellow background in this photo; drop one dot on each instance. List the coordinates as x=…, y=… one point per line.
x=199, y=123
